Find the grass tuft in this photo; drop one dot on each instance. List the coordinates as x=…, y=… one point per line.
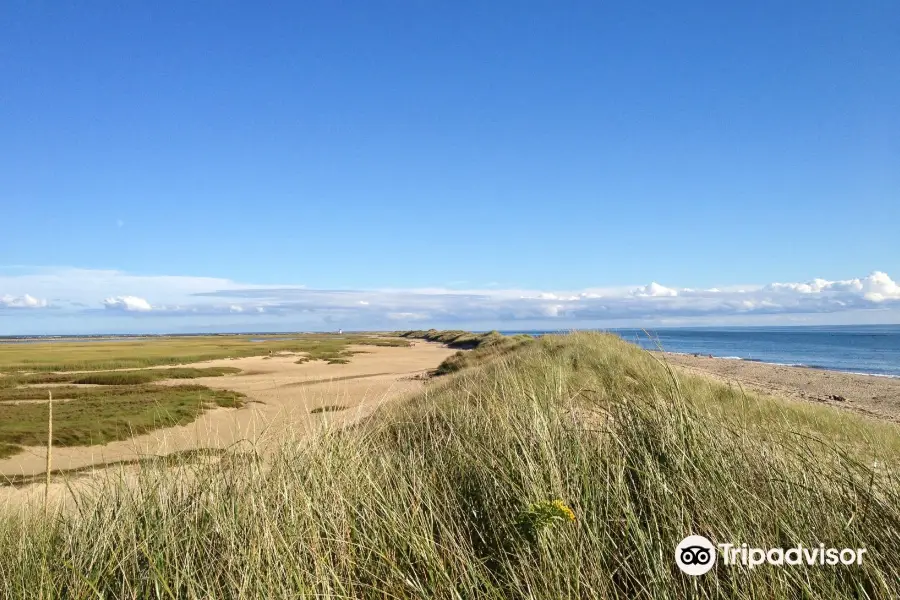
x=476, y=348
x=328, y=408
x=131, y=377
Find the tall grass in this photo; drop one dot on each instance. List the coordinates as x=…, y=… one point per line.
x=437, y=497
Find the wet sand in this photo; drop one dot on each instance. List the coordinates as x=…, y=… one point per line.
x=867, y=394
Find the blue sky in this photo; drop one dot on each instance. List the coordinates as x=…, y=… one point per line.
x=180, y=166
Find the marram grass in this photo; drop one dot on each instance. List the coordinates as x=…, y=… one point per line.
x=570, y=467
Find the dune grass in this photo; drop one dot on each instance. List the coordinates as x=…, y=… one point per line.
x=457, y=338
x=568, y=467
x=483, y=346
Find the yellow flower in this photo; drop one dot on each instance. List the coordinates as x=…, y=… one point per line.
x=541, y=516
x=564, y=510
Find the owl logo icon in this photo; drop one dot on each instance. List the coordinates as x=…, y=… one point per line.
x=695, y=555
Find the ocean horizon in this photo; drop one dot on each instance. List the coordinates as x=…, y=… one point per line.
x=863, y=349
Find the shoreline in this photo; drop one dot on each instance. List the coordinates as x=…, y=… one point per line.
x=777, y=364
x=871, y=394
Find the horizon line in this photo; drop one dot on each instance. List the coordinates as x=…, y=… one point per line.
x=504, y=331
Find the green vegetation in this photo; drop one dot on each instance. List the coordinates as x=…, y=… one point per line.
x=132, y=377
x=136, y=354
x=569, y=467
x=455, y=338
x=125, y=405
x=8, y=449
x=97, y=416
x=128, y=405
x=328, y=408
x=483, y=346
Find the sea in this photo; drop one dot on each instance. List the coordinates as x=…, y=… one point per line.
x=866, y=349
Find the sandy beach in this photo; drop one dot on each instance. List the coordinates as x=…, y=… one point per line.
x=867, y=394
x=282, y=395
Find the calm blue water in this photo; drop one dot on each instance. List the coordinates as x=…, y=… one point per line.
x=872, y=349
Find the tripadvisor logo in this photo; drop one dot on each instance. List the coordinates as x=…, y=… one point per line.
x=696, y=555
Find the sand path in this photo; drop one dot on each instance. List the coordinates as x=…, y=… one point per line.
x=281, y=396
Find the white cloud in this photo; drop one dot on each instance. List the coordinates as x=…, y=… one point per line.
x=877, y=287
x=88, y=285
x=23, y=301
x=553, y=310
x=654, y=290
x=212, y=300
x=652, y=301
x=127, y=304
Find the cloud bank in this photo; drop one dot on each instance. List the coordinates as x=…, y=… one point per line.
x=199, y=300
x=24, y=301
x=127, y=304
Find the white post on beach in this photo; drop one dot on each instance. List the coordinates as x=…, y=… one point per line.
x=49, y=448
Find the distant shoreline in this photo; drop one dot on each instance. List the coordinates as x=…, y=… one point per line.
x=776, y=364
x=873, y=395
x=109, y=336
